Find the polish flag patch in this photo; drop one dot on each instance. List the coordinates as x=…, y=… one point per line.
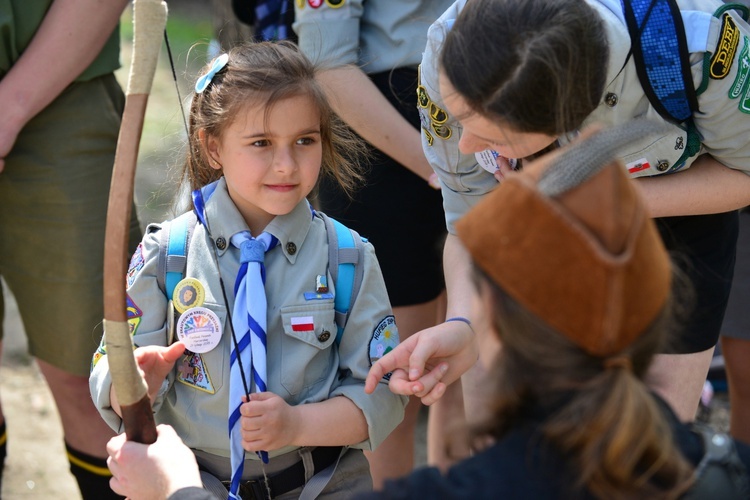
x=302, y=324
x=638, y=165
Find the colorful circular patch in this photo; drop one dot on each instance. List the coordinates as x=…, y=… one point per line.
x=335, y=4
x=384, y=339
x=187, y=294
x=200, y=329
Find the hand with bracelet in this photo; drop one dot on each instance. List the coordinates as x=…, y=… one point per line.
x=429, y=360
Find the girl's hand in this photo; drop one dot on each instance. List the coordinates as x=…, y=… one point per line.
x=155, y=363
x=267, y=422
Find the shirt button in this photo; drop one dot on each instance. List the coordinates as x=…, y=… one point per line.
x=611, y=99
x=291, y=248
x=221, y=243
x=662, y=165
x=324, y=336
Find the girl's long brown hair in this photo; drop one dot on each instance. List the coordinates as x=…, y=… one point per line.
x=606, y=422
x=267, y=72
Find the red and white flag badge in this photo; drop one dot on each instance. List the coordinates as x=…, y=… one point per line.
x=303, y=324
x=638, y=165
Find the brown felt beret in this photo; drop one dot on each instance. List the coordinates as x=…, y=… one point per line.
x=588, y=260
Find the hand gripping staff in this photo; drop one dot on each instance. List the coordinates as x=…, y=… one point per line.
x=149, y=21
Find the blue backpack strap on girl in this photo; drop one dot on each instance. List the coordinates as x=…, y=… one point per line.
x=173, y=248
x=345, y=252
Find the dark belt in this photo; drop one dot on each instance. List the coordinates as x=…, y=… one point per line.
x=288, y=479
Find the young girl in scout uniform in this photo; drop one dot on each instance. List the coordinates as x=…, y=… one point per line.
x=371, y=51
x=261, y=132
x=521, y=75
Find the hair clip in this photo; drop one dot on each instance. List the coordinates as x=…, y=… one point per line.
x=216, y=66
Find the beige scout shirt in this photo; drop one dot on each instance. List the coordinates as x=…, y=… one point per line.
x=303, y=367
x=377, y=35
x=723, y=120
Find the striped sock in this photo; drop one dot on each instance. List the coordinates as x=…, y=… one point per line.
x=92, y=475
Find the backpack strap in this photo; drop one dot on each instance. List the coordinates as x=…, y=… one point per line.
x=173, y=247
x=659, y=47
x=345, y=249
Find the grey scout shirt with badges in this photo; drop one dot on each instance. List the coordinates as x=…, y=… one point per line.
x=377, y=35
x=303, y=366
x=723, y=121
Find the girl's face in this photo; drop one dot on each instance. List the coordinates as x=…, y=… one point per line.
x=271, y=161
x=481, y=133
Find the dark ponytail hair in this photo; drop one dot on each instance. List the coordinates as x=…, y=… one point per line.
x=603, y=420
x=537, y=65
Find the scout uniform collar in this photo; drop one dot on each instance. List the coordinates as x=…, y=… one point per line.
x=213, y=205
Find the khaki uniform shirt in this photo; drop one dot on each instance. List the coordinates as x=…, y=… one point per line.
x=723, y=120
x=377, y=35
x=303, y=366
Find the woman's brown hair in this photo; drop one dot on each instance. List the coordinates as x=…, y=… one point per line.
x=603, y=420
x=537, y=65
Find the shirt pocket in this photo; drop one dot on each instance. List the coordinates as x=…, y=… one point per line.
x=307, y=358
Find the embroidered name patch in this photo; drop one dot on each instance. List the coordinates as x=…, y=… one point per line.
x=741, y=86
x=721, y=61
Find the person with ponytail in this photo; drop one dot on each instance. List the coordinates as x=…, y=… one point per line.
x=581, y=294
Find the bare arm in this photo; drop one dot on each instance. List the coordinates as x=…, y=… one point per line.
x=447, y=350
x=65, y=44
x=361, y=105
x=706, y=187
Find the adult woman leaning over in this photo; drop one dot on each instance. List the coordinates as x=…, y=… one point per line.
x=572, y=417
x=521, y=75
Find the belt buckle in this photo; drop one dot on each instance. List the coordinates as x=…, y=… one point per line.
x=253, y=489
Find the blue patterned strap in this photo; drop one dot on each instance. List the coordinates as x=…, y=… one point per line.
x=659, y=47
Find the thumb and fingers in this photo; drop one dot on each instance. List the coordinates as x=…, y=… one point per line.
x=155, y=363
